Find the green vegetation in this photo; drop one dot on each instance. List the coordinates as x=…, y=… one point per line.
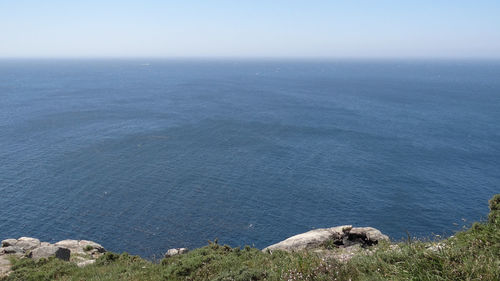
x=473, y=254
x=88, y=248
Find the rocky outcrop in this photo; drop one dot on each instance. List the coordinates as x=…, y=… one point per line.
x=310, y=239
x=364, y=236
x=339, y=236
x=28, y=243
x=4, y=265
x=50, y=251
x=175, y=252
x=11, y=250
x=81, y=252
x=82, y=247
x=9, y=242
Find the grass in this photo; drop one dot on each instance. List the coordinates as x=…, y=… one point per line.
x=473, y=254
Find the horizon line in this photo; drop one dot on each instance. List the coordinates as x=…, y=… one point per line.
x=262, y=58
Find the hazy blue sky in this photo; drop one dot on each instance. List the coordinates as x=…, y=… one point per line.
x=232, y=28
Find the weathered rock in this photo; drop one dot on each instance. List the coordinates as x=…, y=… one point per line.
x=176, y=251
x=50, y=251
x=310, y=239
x=28, y=243
x=12, y=250
x=85, y=263
x=80, y=252
x=341, y=254
x=340, y=236
x=9, y=242
x=4, y=266
x=91, y=246
x=366, y=236
x=82, y=246
x=70, y=244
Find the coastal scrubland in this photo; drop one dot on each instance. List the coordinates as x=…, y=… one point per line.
x=471, y=254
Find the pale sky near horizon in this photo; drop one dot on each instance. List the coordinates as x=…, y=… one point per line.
x=274, y=28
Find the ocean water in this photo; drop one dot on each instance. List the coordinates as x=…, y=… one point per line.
x=146, y=155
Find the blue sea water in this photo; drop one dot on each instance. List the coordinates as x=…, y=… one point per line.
x=146, y=155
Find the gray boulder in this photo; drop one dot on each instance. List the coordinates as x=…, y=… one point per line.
x=81, y=246
x=91, y=246
x=340, y=236
x=50, y=251
x=9, y=242
x=365, y=236
x=310, y=239
x=175, y=252
x=70, y=244
x=28, y=243
x=81, y=252
x=11, y=250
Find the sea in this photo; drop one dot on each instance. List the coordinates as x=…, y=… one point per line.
x=143, y=155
